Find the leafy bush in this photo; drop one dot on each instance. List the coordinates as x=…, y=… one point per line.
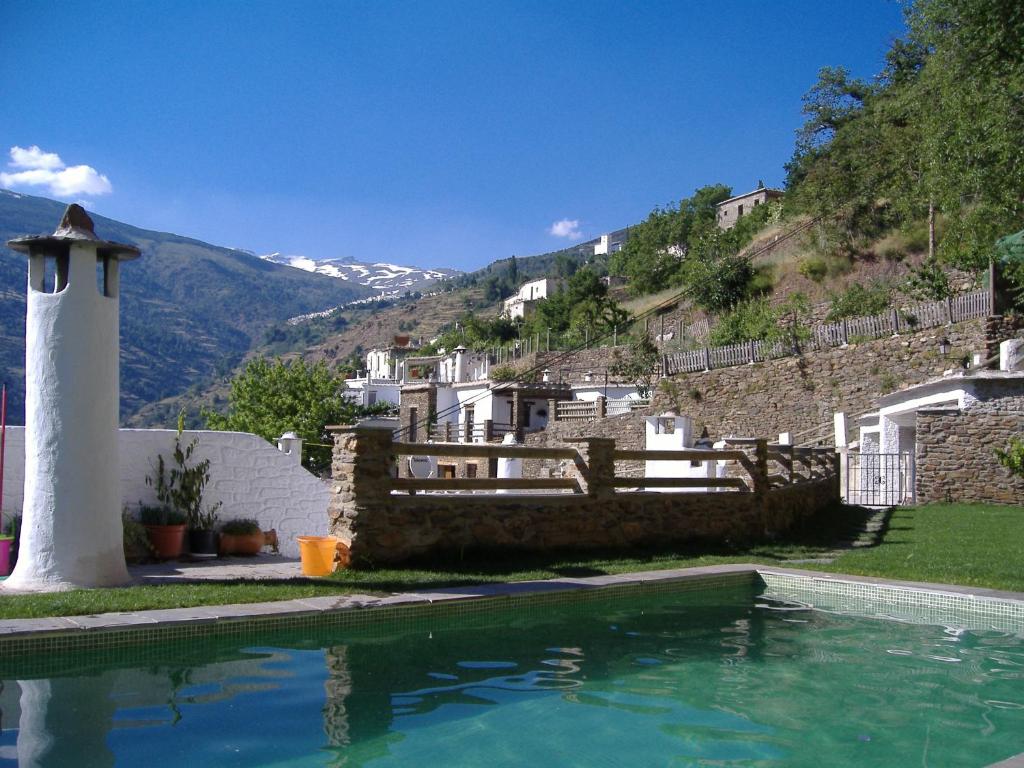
x=181, y=487
x=813, y=268
x=243, y=526
x=1013, y=457
x=929, y=282
x=160, y=516
x=639, y=365
x=504, y=373
x=857, y=301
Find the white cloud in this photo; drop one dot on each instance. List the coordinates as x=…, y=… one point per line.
x=36, y=168
x=569, y=228
x=34, y=157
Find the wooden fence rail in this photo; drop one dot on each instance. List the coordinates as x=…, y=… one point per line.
x=910, y=319
x=750, y=457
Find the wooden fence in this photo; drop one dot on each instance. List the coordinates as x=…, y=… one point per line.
x=753, y=465
x=825, y=335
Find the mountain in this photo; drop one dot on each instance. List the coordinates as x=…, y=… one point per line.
x=189, y=310
x=389, y=279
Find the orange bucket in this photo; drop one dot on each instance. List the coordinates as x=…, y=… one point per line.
x=317, y=554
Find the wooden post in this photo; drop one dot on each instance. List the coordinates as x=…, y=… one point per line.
x=600, y=407
x=753, y=352
x=447, y=431
x=895, y=322
x=846, y=332
x=552, y=409
x=488, y=430
x=949, y=310
x=707, y=359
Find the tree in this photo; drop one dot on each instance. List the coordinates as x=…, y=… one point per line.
x=270, y=398
x=639, y=365
x=651, y=257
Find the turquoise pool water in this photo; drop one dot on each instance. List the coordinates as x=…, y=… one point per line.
x=726, y=679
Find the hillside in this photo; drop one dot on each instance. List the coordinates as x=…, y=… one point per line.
x=188, y=309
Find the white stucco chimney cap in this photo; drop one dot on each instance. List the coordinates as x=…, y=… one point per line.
x=75, y=226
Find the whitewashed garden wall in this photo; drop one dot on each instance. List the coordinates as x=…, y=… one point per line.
x=251, y=477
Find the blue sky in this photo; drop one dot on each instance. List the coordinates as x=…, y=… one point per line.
x=427, y=133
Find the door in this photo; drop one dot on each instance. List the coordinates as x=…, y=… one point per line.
x=879, y=479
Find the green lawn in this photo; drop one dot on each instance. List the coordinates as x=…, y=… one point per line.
x=977, y=545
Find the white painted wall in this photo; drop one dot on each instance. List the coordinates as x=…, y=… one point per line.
x=249, y=475
x=658, y=438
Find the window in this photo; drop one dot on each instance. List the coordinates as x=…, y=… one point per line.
x=739, y=210
x=412, y=425
x=446, y=471
x=470, y=470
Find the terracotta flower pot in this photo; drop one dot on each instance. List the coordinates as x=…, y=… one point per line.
x=241, y=544
x=167, y=540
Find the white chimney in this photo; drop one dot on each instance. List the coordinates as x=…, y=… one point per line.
x=71, y=534
x=1011, y=355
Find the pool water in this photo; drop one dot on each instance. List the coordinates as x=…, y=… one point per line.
x=722, y=679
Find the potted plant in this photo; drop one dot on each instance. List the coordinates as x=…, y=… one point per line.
x=136, y=539
x=202, y=533
x=241, y=537
x=180, y=488
x=166, y=531
x=8, y=534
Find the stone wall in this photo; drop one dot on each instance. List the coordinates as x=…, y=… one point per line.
x=382, y=527
x=251, y=477
x=955, y=449
x=793, y=394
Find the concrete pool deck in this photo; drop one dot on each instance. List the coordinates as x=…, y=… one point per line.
x=830, y=591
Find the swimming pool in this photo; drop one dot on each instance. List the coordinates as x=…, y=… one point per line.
x=720, y=677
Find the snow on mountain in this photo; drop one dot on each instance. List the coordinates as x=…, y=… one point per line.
x=387, y=278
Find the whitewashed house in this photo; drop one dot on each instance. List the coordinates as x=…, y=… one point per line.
x=520, y=305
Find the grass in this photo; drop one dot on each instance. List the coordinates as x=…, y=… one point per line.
x=977, y=545
x=969, y=544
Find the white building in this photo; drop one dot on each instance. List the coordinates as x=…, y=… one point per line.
x=520, y=305
x=609, y=244
x=381, y=380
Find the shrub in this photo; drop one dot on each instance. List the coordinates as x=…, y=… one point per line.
x=160, y=516
x=504, y=373
x=243, y=526
x=1013, y=457
x=814, y=268
x=857, y=301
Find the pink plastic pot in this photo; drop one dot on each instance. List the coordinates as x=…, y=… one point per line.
x=5, y=555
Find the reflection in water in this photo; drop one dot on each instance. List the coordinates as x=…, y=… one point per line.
x=625, y=682
x=65, y=721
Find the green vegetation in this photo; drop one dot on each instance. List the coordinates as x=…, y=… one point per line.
x=968, y=544
x=681, y=245
x=935, y=137
x=579, y=311
x=859, y=300
x=180, y=488
x=271, y=398
x=1013, y=457
x=974, y=545
x=758, y=320
x=638, y=365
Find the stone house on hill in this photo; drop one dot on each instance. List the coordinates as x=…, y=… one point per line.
x=730, y=211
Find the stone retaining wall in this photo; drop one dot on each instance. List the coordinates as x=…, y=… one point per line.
x=382, y=527
x=956, y=449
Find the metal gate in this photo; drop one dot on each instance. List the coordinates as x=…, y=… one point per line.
x=879, y=479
